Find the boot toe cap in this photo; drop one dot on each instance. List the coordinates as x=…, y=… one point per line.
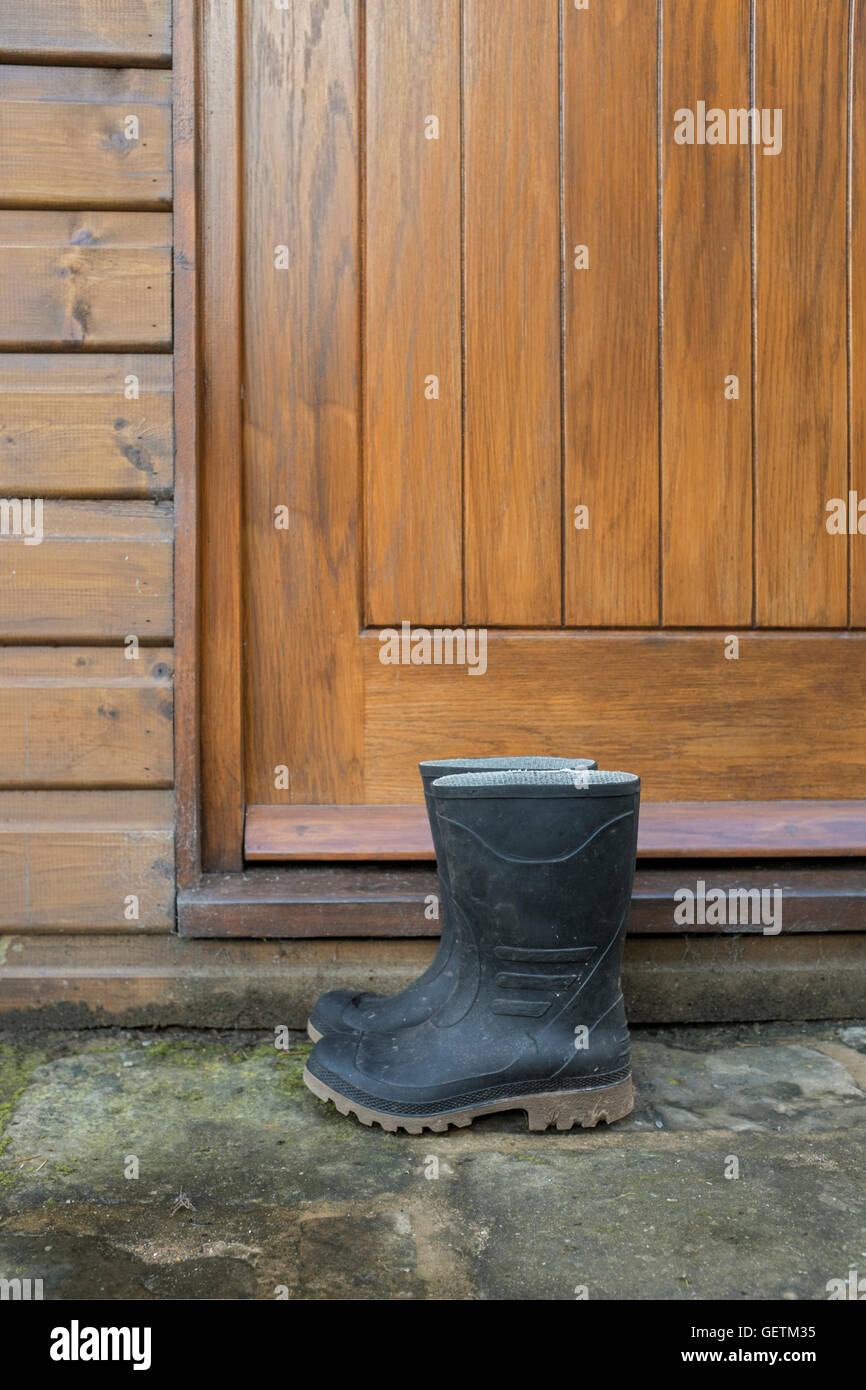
x=332, y=1060
x=339, y=1012
x=365, y=1068
x=339, y=1061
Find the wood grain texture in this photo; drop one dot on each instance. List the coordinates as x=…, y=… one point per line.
x=753, y=829
x=669, y=830
x=369, y=900
x=513, y=482
x=783, y=722
x=222, y=475
x=85, y=717
x=70, y=860
x=99, y=280
x=800, y=68
x=301, y=378
x=65, y=141
x=706, y=253
x=857, y=345
x=187, y=369
x=310, y=900
x=67, y=428
x=86, y=31
x=610, y=348
x=412, y=439
x=103, y=571
x=818, y=895
x=337, y=832
x=787, y=720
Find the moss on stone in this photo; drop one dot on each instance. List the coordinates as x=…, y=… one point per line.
x=179, y=1050
x=289, y=1071
x=17, y=1064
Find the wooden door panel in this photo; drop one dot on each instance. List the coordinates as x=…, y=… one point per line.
x=412, y=357
x=512, y=314
x=785, y=720
x=801, y=54
x=301, y=395
x=610, y=343
x=706, y=447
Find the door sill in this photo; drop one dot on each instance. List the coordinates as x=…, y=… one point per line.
x=378, y=900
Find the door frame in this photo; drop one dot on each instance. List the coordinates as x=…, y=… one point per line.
x=217, y=894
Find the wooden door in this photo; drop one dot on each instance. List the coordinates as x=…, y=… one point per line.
x=519, y=359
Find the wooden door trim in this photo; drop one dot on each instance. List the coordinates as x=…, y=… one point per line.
x=208, y=407
x=187, y=367
x=221, y=494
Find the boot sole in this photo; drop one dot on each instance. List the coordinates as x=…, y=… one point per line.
x=313, y=1033
x=564, y=1109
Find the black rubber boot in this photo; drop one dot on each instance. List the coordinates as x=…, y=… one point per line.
x=346, y=1010
x=540, y=867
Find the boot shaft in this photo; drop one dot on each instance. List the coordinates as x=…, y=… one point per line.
x=433, y=768
x=541, y=868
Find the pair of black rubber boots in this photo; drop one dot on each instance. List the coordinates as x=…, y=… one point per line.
x=521, y=1007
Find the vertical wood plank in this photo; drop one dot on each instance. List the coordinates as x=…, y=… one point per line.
x=800, y=68
x=512, y=313
x=610, y=201
x=412, y=443
x=857, y=279
x=303, y=676
x=706, y=253
x=222, y=445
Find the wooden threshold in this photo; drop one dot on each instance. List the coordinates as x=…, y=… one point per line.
x=371, y=900
x=669, y=829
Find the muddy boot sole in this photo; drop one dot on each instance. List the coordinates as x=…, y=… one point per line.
x=564, y=1109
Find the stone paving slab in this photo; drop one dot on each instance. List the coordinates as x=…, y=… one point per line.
x=741, y=1174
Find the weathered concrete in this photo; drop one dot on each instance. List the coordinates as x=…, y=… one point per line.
x=288, y=1196
x=161, y=981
